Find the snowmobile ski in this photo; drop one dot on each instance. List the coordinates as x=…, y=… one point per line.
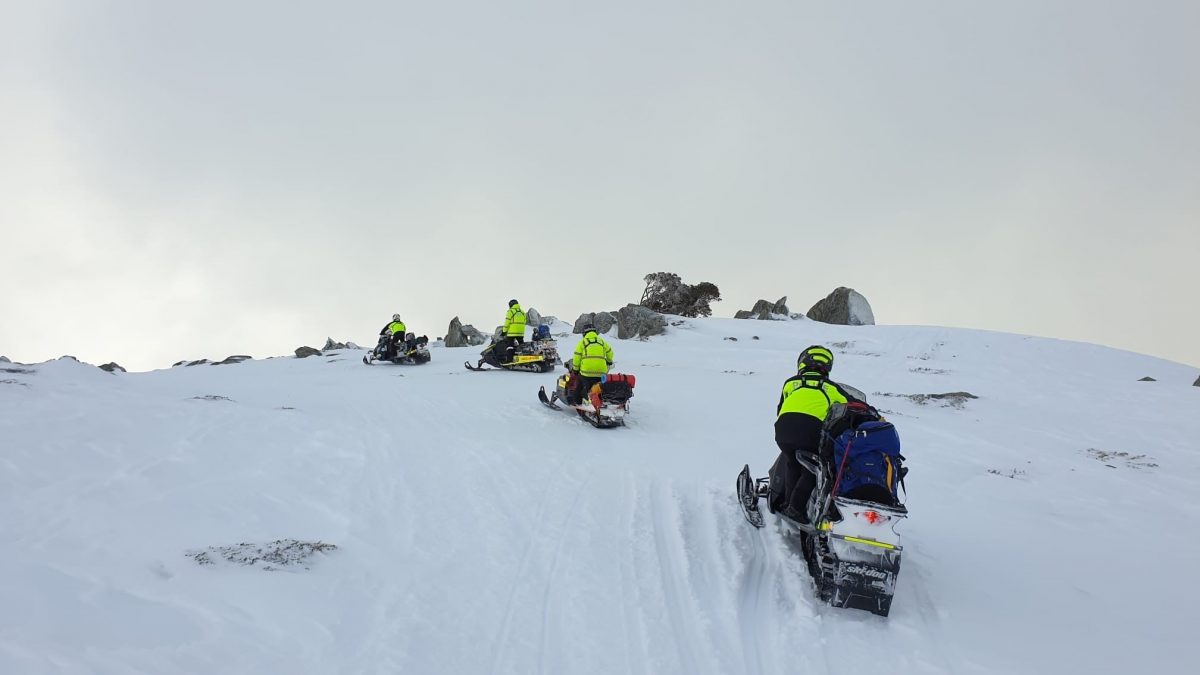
x=747, y=493
x=548, y=402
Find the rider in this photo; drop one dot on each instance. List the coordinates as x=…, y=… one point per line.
x=513, y=330
x=395, y=331
x=590, y=363
x=803, y=407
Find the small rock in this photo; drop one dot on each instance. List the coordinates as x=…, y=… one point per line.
x=1147, y=379
x=236, y=358
x=732, y=339
x=1196, y=383
x=112, y=367
x=753, y=337
x=305, y=352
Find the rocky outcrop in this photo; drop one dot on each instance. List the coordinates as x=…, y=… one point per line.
x=844, y=307
x=637, y=321
x=230, y=360
x=332, y=345
x=112, y=367
x=458, y=335
x=1147, y=379
x=305, y=352
x=764, y=310
x=533, y=318
x=185, y=363
x=603, y=321
x=4, y=359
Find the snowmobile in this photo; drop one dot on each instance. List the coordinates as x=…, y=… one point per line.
x=604, y=407
x=539, y=355
x=853, y=550
x=410, y=351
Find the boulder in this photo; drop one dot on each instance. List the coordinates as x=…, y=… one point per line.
x=637, y=321
x=305, y=352
x=236, y=358
x=112, y=367
x=1196, y=383
x=844, y=307
x=533, y=318
x=458, y=335
x=603, y=321
x=764, y=310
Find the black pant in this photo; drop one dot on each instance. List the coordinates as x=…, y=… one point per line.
x=791, y=483
x=507, y=347
x=580, y=385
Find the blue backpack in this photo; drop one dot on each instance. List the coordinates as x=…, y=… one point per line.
x=542, y=332
x=867, y=463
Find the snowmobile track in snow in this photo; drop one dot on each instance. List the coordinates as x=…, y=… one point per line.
x=751, y=602
x=669, y=545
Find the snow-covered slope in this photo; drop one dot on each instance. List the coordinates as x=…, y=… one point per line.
x=479, y=532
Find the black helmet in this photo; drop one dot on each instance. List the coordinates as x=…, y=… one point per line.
x=587, y=328
x=815, y=359
x=512, y=302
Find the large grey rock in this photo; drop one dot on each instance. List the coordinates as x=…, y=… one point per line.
x=533, y=318
x=458, y=335
x=330, y=345
x=637, y=321
x=305, y=352
x=603, y=321
x=844, y=307
x=764, y=310
x=112, y=367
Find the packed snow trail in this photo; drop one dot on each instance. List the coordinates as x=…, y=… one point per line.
x=1053, y=518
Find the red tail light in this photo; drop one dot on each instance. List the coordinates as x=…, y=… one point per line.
x=873, y=517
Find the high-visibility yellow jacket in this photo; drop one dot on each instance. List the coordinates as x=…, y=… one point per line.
x=593, y=356
x=514, y=322
x=809, y=394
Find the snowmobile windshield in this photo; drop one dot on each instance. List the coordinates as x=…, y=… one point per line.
x=853, y=393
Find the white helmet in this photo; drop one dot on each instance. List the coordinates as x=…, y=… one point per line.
x=395, y=317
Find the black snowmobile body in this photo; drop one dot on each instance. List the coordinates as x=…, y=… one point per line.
x=853, y=551
x=412, y=351
x=536, y=356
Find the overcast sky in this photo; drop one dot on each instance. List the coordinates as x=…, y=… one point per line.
x=185, y=180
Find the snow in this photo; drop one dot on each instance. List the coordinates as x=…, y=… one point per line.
x=478, y=531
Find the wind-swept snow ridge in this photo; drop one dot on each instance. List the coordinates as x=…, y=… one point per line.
x=1053, y=522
